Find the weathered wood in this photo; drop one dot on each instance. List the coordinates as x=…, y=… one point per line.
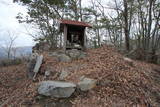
x=85, y=39
x=74, y=33
x=65, y=37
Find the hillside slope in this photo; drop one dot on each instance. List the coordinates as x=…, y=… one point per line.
x=120, y=83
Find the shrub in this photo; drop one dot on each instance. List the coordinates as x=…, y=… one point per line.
x=9, y=62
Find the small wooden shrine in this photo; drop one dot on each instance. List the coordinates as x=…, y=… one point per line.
x=74, y=34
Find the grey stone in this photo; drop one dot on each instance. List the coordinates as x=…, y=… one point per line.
x=31, y=64
x=73, y=53
x=64, y=58
x=82, y=78
x=82, y=55
x=38, y=63
x=56, y=53
x=128, y=60
x=86, y=84
x=56, y=89
x=63, y=75
x=47, y=73
x=37, y=66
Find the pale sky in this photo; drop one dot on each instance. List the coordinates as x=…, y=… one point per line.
x=8, y=23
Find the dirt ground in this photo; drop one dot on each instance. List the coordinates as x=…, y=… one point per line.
x=120, y=83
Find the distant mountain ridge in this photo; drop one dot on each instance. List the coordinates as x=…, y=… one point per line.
x=20, y=51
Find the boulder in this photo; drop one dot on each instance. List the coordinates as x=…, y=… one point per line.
x=86, y=84
x=64, y=58
x=56, y=89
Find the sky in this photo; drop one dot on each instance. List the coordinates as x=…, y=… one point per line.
x=8, y=23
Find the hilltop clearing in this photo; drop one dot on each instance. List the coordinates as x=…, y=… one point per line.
x=120, y=81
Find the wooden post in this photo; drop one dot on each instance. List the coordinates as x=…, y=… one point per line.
x=85, y=40
x=65, y=37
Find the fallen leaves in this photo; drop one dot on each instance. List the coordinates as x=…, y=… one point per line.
x=119, y=83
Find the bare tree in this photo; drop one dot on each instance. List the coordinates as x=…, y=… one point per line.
x=9, y=44
x=126, y=30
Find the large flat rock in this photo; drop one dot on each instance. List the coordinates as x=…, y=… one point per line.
x=56, y=89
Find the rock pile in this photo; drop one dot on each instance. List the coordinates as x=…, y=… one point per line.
x=119, y=81
x=61, y=89
x=69, y=55
x=34, y=65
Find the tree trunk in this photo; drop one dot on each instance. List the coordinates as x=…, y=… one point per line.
x=126, y=30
